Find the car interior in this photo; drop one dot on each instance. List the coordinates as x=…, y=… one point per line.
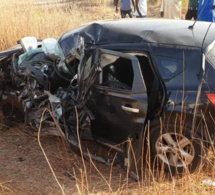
x=117, y=73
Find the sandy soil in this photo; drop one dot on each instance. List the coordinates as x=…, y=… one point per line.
x=24, y=169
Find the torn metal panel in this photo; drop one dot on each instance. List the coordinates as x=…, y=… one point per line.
x=123, y=32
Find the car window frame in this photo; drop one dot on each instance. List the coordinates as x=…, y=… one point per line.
x=138, y=80
x=169, y=78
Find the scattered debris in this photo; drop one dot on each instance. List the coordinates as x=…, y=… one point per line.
x=208, y=182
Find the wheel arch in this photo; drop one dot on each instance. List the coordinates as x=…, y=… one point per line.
x=199, y=131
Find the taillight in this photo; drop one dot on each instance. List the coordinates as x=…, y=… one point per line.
x=211, y=97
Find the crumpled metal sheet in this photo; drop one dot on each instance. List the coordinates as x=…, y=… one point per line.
x=138, y=32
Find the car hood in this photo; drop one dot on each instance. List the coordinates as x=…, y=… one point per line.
x=10, y=51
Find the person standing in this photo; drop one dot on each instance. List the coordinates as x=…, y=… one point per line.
x=125, y=8
x=141, y=8
x=171, y=9
x=192, y=10
x=214, y=11
x=205, y=10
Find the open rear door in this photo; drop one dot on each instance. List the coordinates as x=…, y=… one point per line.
x=119, y=100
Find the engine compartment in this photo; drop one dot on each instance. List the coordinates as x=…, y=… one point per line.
x=37, y=84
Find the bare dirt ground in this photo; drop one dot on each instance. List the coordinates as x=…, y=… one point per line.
x=24, y=170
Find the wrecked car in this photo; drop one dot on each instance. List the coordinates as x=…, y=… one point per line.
x=141, y=84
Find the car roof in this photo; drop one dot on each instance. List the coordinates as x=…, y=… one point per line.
x=141, y=31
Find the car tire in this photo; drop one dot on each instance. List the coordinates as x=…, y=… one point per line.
x=173, y=149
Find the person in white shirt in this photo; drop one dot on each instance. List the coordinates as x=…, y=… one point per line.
x=171, y=9
x=141, y=8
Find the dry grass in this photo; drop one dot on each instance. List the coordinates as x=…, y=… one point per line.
x=21, y=18
x=24, y=169
x=29, y=19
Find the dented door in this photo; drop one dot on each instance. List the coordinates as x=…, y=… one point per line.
x=119, y=99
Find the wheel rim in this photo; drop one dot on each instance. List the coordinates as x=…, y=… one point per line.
x=175, y=149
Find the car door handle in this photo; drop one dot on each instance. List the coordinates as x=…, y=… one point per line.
x=129, y=109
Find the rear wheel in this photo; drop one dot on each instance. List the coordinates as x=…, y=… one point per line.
x=173, y=148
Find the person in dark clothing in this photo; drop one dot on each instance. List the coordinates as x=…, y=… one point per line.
x=192, y=10
x=125, y=8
